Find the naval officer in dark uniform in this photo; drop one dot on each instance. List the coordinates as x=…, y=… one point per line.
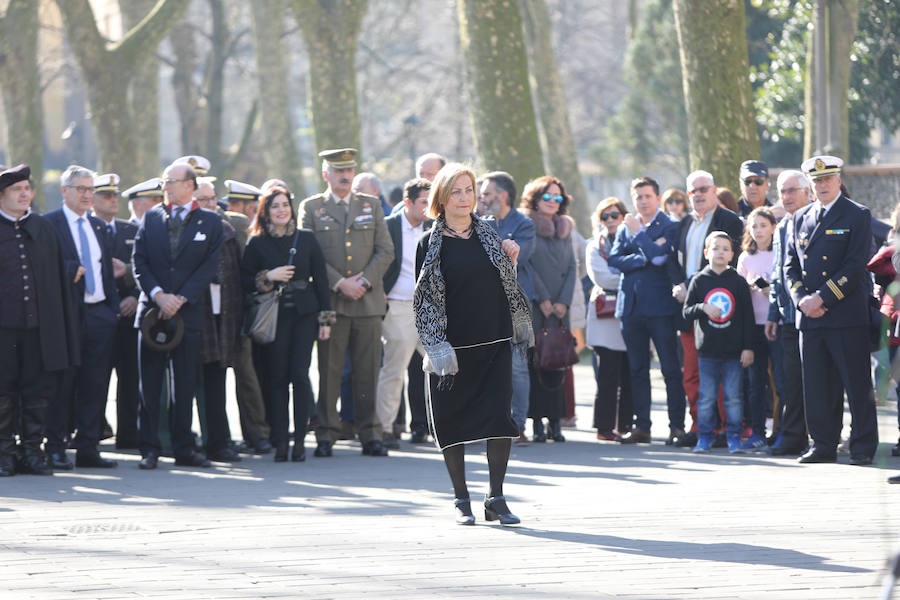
x=826, y=274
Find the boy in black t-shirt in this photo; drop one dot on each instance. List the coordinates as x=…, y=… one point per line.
x=718, y=301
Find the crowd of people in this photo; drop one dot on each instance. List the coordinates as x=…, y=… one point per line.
x=762, y=315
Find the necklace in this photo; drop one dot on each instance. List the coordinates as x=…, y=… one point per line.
x=465, y=233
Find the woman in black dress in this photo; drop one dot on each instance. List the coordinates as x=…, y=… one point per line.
x=281, y=255
x=471, y=315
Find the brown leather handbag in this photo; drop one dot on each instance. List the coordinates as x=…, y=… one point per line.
x=554, y=348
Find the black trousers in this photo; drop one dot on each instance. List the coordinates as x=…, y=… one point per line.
x=182, y=363
x=81, y=397
x=415, y=391
x=793, y=423
x=287, y=363
x=25, y=388
x=217, y=434
x=124, y=361
x=837, y=361
x=612, y=403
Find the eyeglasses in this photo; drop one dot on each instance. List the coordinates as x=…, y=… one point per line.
x=675, y=201
x=758, y=181
x=205, y=198
x=83, y=189
x=171, y=181
x=700, y=190
x=791, y=190
x=613, y=214
x=558, y=199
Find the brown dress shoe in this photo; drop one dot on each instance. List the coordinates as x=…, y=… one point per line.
x=636, y=436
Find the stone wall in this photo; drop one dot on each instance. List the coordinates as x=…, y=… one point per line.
x=876, y=186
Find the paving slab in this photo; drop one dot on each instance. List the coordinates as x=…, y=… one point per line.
x=600, y=520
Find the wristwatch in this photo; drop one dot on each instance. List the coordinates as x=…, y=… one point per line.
x=365, y=283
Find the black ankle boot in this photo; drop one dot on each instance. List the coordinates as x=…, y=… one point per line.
x=540, y=435
x=556, y=431
x=464, y=514
x=495, y=509
x=281, y=451
x=298, y=452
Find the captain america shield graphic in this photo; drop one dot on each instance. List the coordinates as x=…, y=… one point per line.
x=723, y=300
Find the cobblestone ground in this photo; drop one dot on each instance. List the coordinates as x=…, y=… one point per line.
x=600, y=520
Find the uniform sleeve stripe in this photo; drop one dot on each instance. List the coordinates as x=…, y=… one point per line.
x=835, y=289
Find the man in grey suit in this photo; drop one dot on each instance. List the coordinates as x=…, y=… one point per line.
x=358, y=250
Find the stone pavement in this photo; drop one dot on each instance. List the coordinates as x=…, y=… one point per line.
x=600, y=520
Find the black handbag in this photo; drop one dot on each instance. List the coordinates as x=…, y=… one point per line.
x=262, y=308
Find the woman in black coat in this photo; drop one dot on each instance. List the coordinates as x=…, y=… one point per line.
x=281, y=255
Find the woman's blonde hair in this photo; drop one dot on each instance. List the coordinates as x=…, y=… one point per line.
x=443, y=185
x=605, y=204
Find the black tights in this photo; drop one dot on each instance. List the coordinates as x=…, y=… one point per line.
x=498, y=457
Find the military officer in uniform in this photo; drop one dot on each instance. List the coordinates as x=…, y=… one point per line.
x=358, y=250
x=142, y=197
x=826, y=275
x=120, y=237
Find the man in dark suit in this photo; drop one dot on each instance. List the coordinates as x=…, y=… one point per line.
x=641, y=251
x=176, y=256
x=120, y=235
x=781, y=323
x=398, y=330
x=88, y=263
x=705, y=217
x=37, y=332
x=826, y=274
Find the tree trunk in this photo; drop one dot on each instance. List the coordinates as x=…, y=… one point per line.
x=842, y=19
x=143, y=98
x=21, y=88
x=192, y=121
x=215, y=84
x=279, y=149
x=553, y=115
x=712, y=39
x=503, y=120
x=109, y=69
x=331, y=31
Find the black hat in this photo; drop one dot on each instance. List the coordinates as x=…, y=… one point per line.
x=754, y=168
x=14, y=175
x=161, y=334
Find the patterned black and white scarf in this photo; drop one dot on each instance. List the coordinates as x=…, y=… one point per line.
x=429, y=301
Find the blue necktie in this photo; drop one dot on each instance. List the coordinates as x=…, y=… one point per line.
x=177, y=215
x=86, y=261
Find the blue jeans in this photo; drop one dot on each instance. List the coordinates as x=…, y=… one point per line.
x=637, y=332
x=521, y=384
x=713, y=371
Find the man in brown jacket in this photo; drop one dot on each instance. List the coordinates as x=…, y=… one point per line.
x=358, y=250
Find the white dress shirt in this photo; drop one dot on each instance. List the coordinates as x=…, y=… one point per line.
x=96, y=253
x=406, y=282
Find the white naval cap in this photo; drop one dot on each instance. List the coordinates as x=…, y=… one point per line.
x=108, y=182
x=239, y=191
x=151, y=187
x=200, y=164
x=821, y=166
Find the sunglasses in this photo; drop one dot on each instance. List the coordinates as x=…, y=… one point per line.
x=758, y=181
x=700, y=190
x=610, y=215
x=558, y=199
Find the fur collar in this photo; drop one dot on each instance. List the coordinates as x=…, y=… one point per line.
x=559, y=226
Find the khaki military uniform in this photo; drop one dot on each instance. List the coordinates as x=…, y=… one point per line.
x=353, y=240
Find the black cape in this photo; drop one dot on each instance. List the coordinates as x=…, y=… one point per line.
x=57, y=322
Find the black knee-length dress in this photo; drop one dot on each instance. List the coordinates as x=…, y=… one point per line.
x=479, y=327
